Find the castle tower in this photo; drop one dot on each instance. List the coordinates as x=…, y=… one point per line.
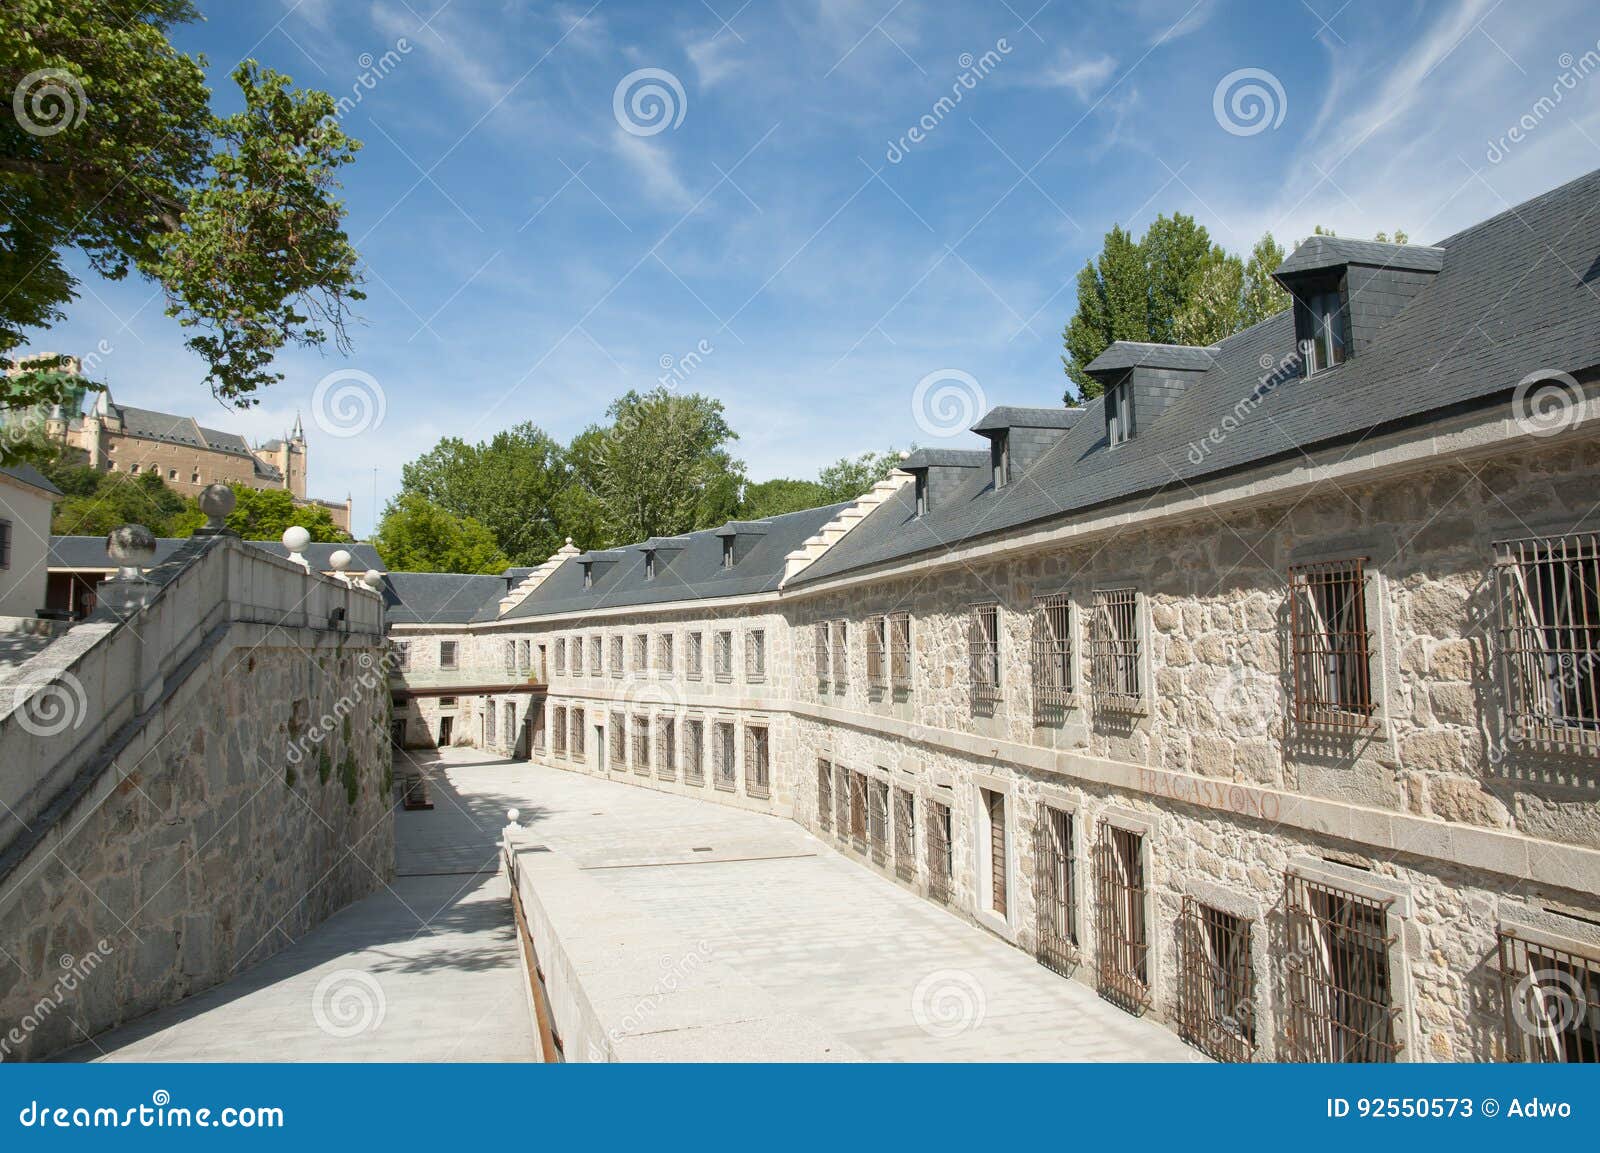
x=295, y=460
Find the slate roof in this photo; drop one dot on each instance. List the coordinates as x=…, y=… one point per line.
x=185, y=430
x=440, y=598
x=937, y=457
x=1009, y=416
x=1331, y=251
x=88, y=553
x=690, y=573
x=1139, y=354
x=27, y=474
x=1514, y=295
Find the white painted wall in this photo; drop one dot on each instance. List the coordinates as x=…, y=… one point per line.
x=22, y=583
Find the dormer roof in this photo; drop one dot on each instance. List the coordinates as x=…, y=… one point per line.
x=1125, y=354
x=926, y=458
x=1003, y=417
x=1326, y=253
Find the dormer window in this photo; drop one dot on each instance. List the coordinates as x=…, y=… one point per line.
x=1119, y=413
x=588, y=576
x=650, y=565
x=1322, y=328
x=1000, y=458
x=727, y=552
x=922, y=493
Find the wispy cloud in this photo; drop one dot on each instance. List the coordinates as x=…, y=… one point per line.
x=1084, y=75
x=652, y=162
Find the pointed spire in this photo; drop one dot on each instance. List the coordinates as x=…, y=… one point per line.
x=299, y=432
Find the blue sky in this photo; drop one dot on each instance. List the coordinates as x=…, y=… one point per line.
x=529, y=258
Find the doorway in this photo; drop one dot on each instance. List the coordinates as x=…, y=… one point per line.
x=446, y=731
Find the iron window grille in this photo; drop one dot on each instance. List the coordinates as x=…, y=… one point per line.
x=561, y=656
x=1336, y=974
x=594, y=657
x=994, y=803
x=841, y=802
x=511, y=657
x=1549, y=612
x=757, y=765
x=983, y=651
x=724, y=770
x=1116, y=651
x=666, y=748
x=641, y=653
x=447, y=654
x=900, y=652
x=511, y=725
x=400, y=655
x=1552, y=1001
x=841, y=655
x=558, y=732
x=489, y=733
x=877, y=674
x=1330, y=643
x=522, y=656
x=878, y=821
x=5, y=544
x=616, y=656
x=824, y=796
x=905, y=834
x=1056, y=891
x=755, y=655
x=1052, y=652
x=577, y=656
x=696, y=656
x=578, y=719
x=858, y=812
x=819, y=633
x=1122, y=935
x=722, y=656
x=664, y=654
x=694, y=752
x=641, y=745
x=1216, y=982
x=941, y=858
x=618, y=733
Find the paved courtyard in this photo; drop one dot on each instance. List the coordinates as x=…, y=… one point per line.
x=827, y=938
x=425, y=970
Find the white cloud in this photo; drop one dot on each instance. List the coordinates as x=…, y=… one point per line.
x=652, y=163
x=1084, y=75
x=712, y=59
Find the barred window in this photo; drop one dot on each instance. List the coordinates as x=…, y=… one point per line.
x=694, y=751
x=561, y=655
x=1336, y=969
x=905, y=834
x=841, y=802
x=5, y=543
x=447, y=654
x=841, y=655
x=1052, y=652
x=1552, y=1000
x=1056, y=890
x=1549, y=604
x=757, y=769
x=594, y=656
x=900, y=652
x=641, y=653
x=755, y=655
x=558, y=732
x=1216, y=982
x=641, y=745
x=511, y=725
x=489, y=735
x=824, y=661
x=400, y=655
x=666, y=748
x=878, y=821
x=824, y=795
x=724, y=772
x=1122, y=937
x=522, y=656
x=616, y=656
x=722, y=656
x=994, y=803
x=1116, y=648
x=577, y=734
x=577, y=656
x=618, y=733
x=983, y=651
x=511, y=657
x=696, y=655
x=1329, y=639
x=858, y=812
x=876, y=672
x=941, y=859
x=665, y=656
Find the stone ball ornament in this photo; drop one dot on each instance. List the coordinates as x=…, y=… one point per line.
x=217, y=501
x=296, y=538
x=340, y=560
x=131, y=546
x=374, y=579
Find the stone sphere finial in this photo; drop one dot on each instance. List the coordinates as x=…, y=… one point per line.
x=217, y=501
x=569, y=540
x=296, y=538
x=904, y=455
x=512, y=815
x=132, y=545
x=340, y=560
x=374, y=579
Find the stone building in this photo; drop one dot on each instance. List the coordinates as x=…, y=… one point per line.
x=27, y=500
x=1259, y=693
x=121, y=438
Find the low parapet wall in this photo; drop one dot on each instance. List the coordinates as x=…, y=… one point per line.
x=215, y=790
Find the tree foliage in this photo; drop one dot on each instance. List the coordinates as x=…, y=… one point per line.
x=666, y=468
x=264, y=514
x=119, y=156
x=416, y=535
x=776, y=497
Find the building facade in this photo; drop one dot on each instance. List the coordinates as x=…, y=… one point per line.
x=1259, y=693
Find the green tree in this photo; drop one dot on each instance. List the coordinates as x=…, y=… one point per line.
x=580, y=509
x=117, y=499
x=117, y=154
x=1261, y=295
x=850, y=477
x=781, y=495
x=1181, y=263
x=666, y=468
x=512, y=485
x=416, y=535
x=264, y=514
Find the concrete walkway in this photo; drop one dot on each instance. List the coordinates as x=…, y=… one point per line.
x=427, y=970
x=829, y=940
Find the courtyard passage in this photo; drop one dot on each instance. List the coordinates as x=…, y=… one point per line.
x=826, y=939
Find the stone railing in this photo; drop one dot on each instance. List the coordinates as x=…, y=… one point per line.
x=61, y=709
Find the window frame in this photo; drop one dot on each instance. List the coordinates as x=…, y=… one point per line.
x=983, y=654
x=1054, y=653
x=1118, y=680
x=1332, y=644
